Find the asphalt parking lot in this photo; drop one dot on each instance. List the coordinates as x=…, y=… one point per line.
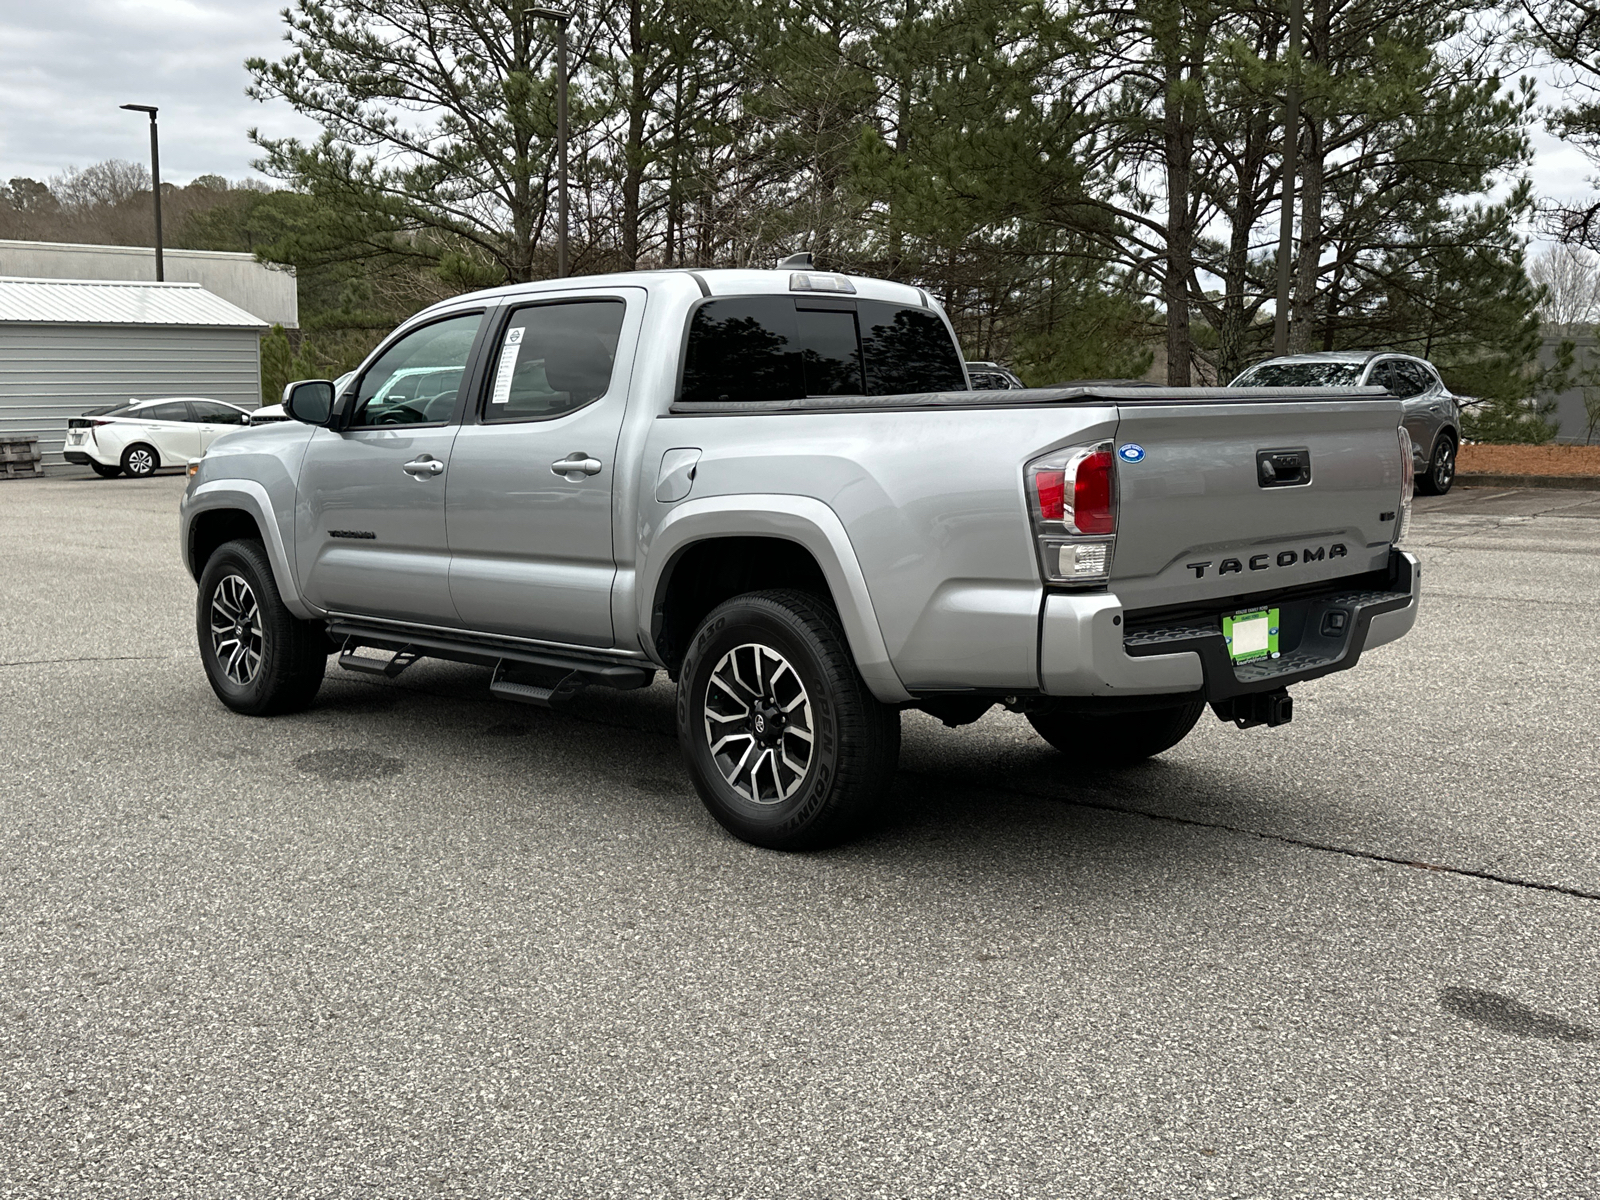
x=416, y=942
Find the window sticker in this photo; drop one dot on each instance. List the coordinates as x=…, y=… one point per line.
x=508, y=366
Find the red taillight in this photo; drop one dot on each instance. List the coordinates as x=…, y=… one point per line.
x=1074, y=492
x=1092, y=508
x=1052, y=486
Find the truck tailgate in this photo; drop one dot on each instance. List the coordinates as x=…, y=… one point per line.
x=1200, y=517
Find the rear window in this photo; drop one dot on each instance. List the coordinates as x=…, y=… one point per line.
x=784, y=348
x=1301, y=374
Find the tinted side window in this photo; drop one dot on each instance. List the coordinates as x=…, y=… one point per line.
x=417, y=379
x=218, y=414
x=554, y=359
x=907, y=350
x=1416, y=377
x=743, y=349
x=175, y=411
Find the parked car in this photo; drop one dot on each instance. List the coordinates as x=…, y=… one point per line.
x=269, y=414
x=991, y=377
x=142, y=436
x=1433, y=414
x=777, y=487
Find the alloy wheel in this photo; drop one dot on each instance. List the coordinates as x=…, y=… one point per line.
x=758, y=723
x=236, y=629
x=141, y=462
x=1444, y=467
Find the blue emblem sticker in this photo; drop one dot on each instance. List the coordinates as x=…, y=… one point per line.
x=1132, y=452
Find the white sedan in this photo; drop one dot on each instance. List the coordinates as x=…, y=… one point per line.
x=142, y=436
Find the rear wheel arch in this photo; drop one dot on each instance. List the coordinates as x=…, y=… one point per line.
x=803, y=530
x=708, y=571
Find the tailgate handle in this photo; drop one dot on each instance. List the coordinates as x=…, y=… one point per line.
x=1283, y=468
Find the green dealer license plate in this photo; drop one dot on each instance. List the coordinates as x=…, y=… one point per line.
x=1251, y=635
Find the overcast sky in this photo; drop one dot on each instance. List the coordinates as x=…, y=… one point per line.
x=64, y=68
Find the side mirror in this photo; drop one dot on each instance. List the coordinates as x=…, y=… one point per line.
x=310, y=401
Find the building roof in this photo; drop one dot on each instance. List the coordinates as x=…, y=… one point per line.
x=115, y=302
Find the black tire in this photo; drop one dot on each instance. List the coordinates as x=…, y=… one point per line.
x=848, y=762
x=1117, y=739
x=1441, y=472
x=272, y=664
x=140, y=461
x=105, y=472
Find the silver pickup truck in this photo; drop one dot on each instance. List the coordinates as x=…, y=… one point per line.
x=777, y=487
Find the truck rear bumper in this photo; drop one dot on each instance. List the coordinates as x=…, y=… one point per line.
x=1091, y=646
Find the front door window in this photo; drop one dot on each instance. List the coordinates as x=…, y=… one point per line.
x=416, y=381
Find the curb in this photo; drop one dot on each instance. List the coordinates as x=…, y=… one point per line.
x=1571, y=483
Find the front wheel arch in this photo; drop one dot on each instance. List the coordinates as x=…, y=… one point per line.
x=212, y=528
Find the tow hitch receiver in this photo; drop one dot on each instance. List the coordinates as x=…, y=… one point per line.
x=1256, y=708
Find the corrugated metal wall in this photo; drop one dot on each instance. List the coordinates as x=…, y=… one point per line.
x=51, y=372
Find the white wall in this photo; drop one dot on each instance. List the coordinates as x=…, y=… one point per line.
x=51, y=372
x=268, y=292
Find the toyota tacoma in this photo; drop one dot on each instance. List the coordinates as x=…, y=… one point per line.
x=778, y=488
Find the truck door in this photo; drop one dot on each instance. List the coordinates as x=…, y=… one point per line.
x=533, y=471
x=369, y=525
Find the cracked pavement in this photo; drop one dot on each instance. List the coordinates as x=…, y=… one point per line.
x=415, y=942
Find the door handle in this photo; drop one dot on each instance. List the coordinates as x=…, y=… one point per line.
x=423, y=467
x=575, y=464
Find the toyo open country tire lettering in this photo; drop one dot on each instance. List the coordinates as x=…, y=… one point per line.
x=1119, y=739
x=140, y=461
x=786, y=745
x=259, y=657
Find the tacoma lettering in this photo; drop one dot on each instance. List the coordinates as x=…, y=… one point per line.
x=1259, y=562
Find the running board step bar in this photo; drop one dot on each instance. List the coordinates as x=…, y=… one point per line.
x=409, y=646
x=564, y=689
x=369, y=665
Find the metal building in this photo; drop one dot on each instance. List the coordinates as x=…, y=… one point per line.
x=71, y=345
x=267, y=290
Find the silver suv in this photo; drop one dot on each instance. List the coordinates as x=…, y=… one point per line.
x=1432, y=412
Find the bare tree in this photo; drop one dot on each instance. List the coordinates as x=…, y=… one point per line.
x=1570, y=276
x=105, y=183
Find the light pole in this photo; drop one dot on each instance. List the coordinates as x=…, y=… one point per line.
x=561, y=18
x=155, y=179
x=1291, y=147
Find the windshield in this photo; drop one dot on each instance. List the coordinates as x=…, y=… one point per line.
x=1300, y=374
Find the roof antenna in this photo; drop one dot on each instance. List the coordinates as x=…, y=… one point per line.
x=797, y=262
